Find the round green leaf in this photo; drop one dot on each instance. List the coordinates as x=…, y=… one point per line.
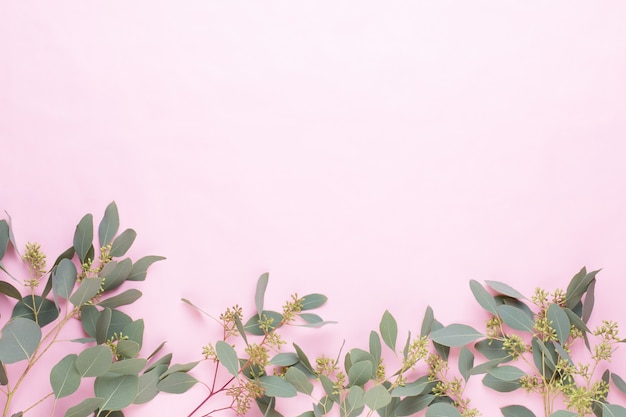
x=19, y=340
x=128, y=366
x=442, y=410
x=64, y=378
x=118, y=391
x=377, y=397
x=177, y=383
x=147, y=387
x=360, y=373
x=63, y=279
x=298, y=379
x=275, y=386
x=38, y=309
x=94, y=361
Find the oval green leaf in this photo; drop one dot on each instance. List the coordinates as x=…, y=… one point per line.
x=87, y=289
x=455, y=335
x=389, y=330
x=298, y=379
x=19, y=340
x=515, y=318
x=177, y=383
x=109, y=224
x=559, y=322
x=228, y=357
x=313, y=301
x=94, y=361
x=85, y=408
x=516, y=411
x=442, y=410
x=484, y=298
x=505, y=289
x=275, y=386
x=118, y=391
x=140, y=268
x=377, y=397
x=64, y=378
x=83, y=237
x=63, y=279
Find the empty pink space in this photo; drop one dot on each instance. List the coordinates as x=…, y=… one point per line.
x=381, y=153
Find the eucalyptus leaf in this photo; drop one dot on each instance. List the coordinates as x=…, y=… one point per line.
x=85, y=408
x=228, y=357
x=118, y=391
x=505, y=289
x=128, y=366
x=427, y=322
x=35, y=308
x=360, y=373
x=484, y=298
x=122, y=243
x=559, y=322
x=87, y=289
x=19, y=340
x=89, y=317
x=442, y=410
x=140, y=268
x=515, y=318
x=507, y=373
x=4, y=237
x=590, y=298
x=466, y=362
x=127, y=348
x=389, y=330
x=64, y=378
x=9, y=290
x=115, y=273
x=276, y=386
x=500, y=385
x=411, y=389
x=147, y=389
x=181, y=367
x=4, y=378
x=252, y=325
x=64, y=279
x=298, y=379
x=259, y=295
x=122, y=299
x=109, y=224
x=455, y=335
x=102, y=325
x=613, y=410
x=134, y=331
x=516, y=411
x=94, y=361
x=563, y=413
x=377, y=397
x=411, y=405
x=485, y=366
x=578, y=286
x=492, y=349
x=313, y=301
x=177, y=383
x=284, y=359
x=83, y=237
x=619, y=382
x=375, y=346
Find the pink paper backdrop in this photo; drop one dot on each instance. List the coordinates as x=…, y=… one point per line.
x=381, y=153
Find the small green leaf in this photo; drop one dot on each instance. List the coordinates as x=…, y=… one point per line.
x=109, y=224
x=516, y=411
x=375, y=346
x=19, y=340
x=410, y=389
x=484, y=298
x=500, y=385
x=303, y=358
x=259, y=295
x=455, y=335
x=85, y=408
x=64, y=378
x=147, y=387
x=177, y=383
x=140, y=268
x=43, y=311
x=179, y=367
x=427, y=322
x=563, y=413
x=492, y=349
x=122, y=243
x=377, y=397
x=127, y=348
x=275, y=386
x=118, y=391
x=515, y=318
x=88, y=289
x=4, y=237
x=389, y=330
x=313, y=301
x=619, y=382
x=115, y=273
x=559, y=322
x=228, y=357
x=507, y=373
x=83, y=237
x=122, y=299
x=128, y=366
x=284, y=359
x=466, y=362
x=411, y=405
x=442, y=410
x=252, y=325
x=578, y=286
x=360, y=373
x=589, y=301
x=89, y=317
x=298, y=379
x=63, y=279
x=613, y=410
x=94, y=361
x=4, y=378
x=505, y=289
x=102, y=325
x=9, y=290
x=485, y=366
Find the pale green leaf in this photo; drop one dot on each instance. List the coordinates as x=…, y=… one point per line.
x=455, y=335
x=19, y=340
x=147, y=387
x=228, y=357
x=375, y=346
x=122, y=243
x=115, y=273
x=505, y=289
x=130, y=366
x=312, y=301
x=377, y=397
x=63, y=279
x=140, y=268
x=284, y=359
x=427, y=322
x=118, y=391
x=507, y=373
x=298, y=379
x=122, y=299
x=516, y=411
x=442, y=410
x=85, y=408
x=360, y=373
x=466, y=362
x=613, y=410
x=179, y=367
x=259, y=295
x=109, y=224
x=83, y=237
x=484, y=298
x=87, y=289
x=276, y=386
x=411, y=405
x=94, y=361
x=410, y=389
x=177, y=383
x=559, y=322
x=563, y=413
x=515, y=318
x=389, y=330
x=64, y=378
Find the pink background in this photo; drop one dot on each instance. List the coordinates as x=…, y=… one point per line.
x=381, y=153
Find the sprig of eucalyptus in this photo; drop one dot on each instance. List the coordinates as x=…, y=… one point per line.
x=249, y=353
x=80, y=286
